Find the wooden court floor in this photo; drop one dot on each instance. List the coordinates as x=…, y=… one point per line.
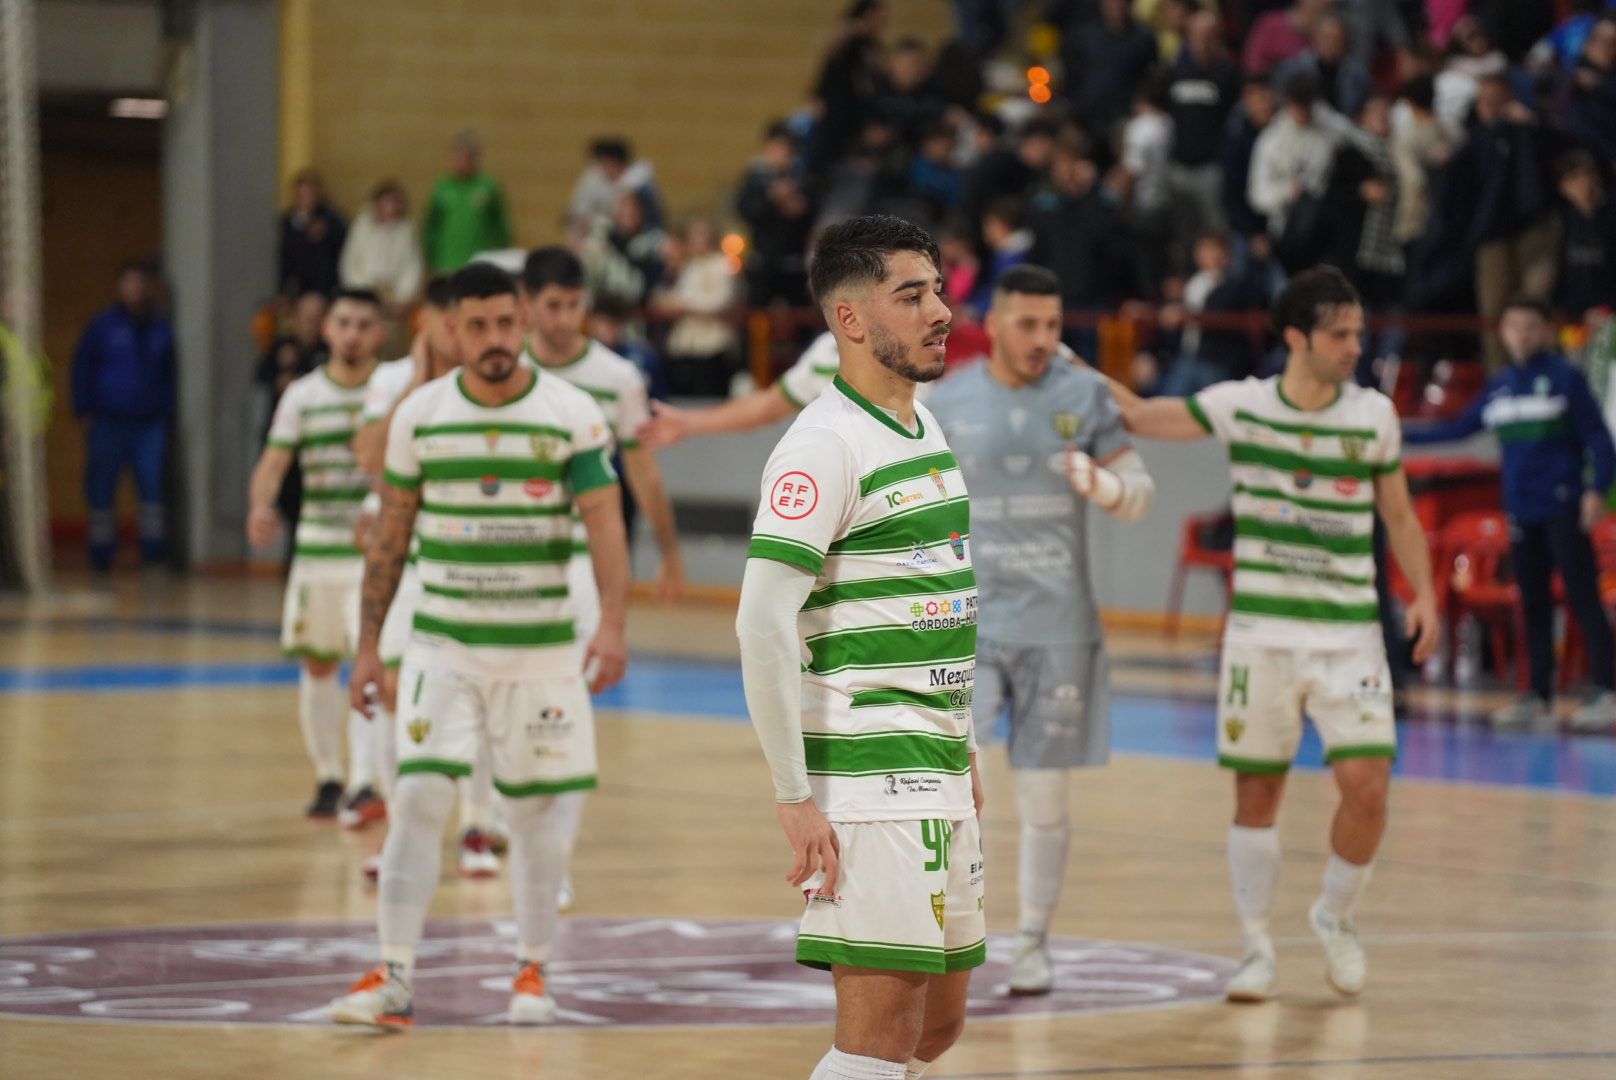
x=1491, y=920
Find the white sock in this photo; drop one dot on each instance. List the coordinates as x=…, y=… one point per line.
x=401, y=958
x=384, y=750
x=410, y=861
x=915, y=1069
x=1041, y=800
x=1343, y=883
x=839, y=1066
x=321, y=708
x=361, y=751
x=538, y=861
x=1253, y=865
x=570, y=805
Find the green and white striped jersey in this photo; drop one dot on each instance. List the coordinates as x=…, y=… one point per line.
x=881, y=517
x=386, y=386
x=813, y=371
x=497, y=487
x=316, y=419
x=618, y=388
x=1304, y=510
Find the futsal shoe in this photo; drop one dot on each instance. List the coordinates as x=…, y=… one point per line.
x=1596, y=713
x=362, y=807
x=565, y=895
x=477, y=859
x=1253, y=980
x=371, y=870
x=1344, y=962
x=1528, y=712
x=531, y=1002
x=381, y=998
x=1030, y=971
x=327, y=797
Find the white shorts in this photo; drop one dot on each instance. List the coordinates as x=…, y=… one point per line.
x=909, y=897
x=400, y=621
x=320, y=619
x=1263, y=692
x=540, y=733
x=585, y=597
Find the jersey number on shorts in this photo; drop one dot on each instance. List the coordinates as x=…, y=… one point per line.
x=938, y=836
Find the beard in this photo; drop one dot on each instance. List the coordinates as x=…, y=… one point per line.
x=495, y=371
x=893, y=355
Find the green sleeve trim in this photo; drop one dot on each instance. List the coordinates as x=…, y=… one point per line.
x=281, y=444
x=628, y=444
x=1253, y=765
x=545, y=787
x=590, y=470
x=789, y=396
x=441, y=766
x=303, y=652
x=786, y=551
x=1386, y=468
x=1370, y=750
x=1200, y=414
x=408, y=483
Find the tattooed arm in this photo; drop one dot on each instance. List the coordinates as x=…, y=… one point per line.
x=384, y=565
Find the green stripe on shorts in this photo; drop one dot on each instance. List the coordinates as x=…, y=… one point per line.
x=818, y=951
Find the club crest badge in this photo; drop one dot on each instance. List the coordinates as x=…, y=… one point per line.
x=937, y=901
x=419, y=729
x=1235, y=728
x=1067, y=424
x=942, y=485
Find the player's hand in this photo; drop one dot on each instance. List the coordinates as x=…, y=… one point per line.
x=979, y=796
x=263, y=525
x=1424, y=627
x=1093, y=481
x=365, y=681
x=1593, y=510
x=671, y=580
x=668, y=425
x=607, y=656
x=363, y=526
x=813, y=844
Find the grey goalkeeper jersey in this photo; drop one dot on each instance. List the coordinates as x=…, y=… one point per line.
x=1030, y=529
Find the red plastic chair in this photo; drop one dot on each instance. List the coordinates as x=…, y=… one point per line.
x=1194, y=553
x=1472, y=577
x=1574, y=656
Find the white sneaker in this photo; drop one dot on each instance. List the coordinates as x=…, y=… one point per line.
x=1344, y=962
x=1030, y=971
x=381, y=998
x=1596, y=713
x=371, y=870
x=565, y=897
x=531, y=1002
x=1253, y=980
x=1527, y=712
x=477, y=859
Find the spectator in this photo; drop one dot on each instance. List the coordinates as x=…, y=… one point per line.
x=1550, y=432
x=466, y=213
x=933, y=179
x=1370, y=22
x=612, y=170
x=1562, y=47
x=848, y=85
x=1147, y=148
x=124, y=375
x=1079, y=235
x=701, y=346
x=908, y=100
x=1011, y=170
x=1008, y=240
x=1471, y=58
x=312, y=234
x=1365, y=191
x=1512, y=229
x=1205, y=86
x=623, y=258
x=1105, y=59
x=1208, y=355
x=381, y=253
x=961, y=267
x=774, y=203
x=1279, y=35
x=1592, y=115
x=1169, y=21
x=1516, y=25
x=1290, y=169
x=1419, y=144
x=1587, y=277
x=609, y=324
x=1343, y=82
x=1256, y=112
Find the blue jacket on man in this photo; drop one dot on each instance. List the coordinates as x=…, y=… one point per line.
x=1549, y=428
x=125, y=367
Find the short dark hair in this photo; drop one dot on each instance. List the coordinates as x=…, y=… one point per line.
x=613, y=148
x=1008, y=209
x=1301, y=89
x=357, y=296
x=1253, y=81
x=1028, y=280
x=143, y=267
x=1421, y=92
x=1310, y=296
x=778, y=129
x=1529, y=302
x=439, y=292
x=551, y=265
x=481, y=281
x=1039, y=127
x=1575, y=161
x=855, y=251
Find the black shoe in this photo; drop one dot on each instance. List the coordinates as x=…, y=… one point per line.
x=327, y=797
x=361, y=808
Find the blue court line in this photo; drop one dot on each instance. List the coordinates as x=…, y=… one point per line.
x=1168, y=726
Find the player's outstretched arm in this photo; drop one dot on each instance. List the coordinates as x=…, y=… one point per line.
x=1120, y=485
x=1407, y=537
x=644, y=478
x=602, y=513
x=670, y=424
x=772, y=593
x=384, y=564
x=1157, y=418
x=263, y=520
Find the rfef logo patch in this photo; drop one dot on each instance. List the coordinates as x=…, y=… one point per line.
x=794, y=496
